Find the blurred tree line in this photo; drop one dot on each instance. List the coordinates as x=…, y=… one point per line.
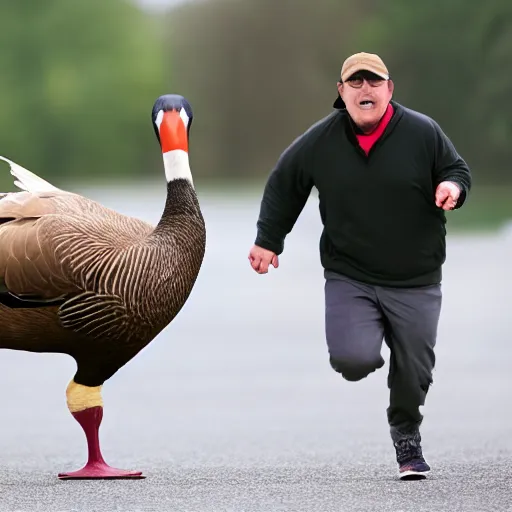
x=78, y=84
x=259, y=72
x=79, y=78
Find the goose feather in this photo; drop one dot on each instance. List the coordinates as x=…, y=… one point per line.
x=58, y=247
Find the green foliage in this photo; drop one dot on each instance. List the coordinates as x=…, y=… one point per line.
x=78, y=83
x=488, y=208
x=259, y=72
x=79, y=79
x=453, y=60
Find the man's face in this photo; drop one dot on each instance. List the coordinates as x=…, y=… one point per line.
x=366, y=97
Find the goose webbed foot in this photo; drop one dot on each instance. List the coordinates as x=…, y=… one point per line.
x=100, y=470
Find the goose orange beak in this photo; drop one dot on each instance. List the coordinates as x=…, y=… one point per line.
x=173, y=132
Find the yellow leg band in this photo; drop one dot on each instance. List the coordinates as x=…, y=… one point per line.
x=81, y=397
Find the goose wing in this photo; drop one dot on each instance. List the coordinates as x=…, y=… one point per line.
x=54, y=248
x=52, y=259
x=30, y=274
x=62, y=249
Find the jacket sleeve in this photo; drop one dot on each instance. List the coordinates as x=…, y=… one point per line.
x=449, y=165
x=284, y=197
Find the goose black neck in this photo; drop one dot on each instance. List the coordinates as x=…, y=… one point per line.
x=181, y=202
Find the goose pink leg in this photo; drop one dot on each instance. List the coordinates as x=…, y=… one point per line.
x=96, y=467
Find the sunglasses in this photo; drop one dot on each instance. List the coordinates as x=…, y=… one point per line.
x=357, y=81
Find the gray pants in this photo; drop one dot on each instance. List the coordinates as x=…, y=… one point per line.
x=358, y=317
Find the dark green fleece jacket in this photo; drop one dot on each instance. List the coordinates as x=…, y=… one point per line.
x=380, y=221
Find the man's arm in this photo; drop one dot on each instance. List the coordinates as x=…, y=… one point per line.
x=449, y=166
x=284, y=197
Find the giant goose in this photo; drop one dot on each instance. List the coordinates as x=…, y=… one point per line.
x=81, y=279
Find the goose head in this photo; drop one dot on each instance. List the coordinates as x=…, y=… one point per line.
x=172, y=117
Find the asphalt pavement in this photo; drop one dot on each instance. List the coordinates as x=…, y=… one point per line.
x=235, y=408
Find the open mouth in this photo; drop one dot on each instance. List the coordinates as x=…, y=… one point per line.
x=366, y=104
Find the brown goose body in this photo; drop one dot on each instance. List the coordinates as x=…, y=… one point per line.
x=95, y=281
x=81, y=279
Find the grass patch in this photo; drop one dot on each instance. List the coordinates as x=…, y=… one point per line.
x=487, y=208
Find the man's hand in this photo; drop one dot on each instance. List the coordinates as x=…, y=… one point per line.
x=447, y=195
x=261, y=258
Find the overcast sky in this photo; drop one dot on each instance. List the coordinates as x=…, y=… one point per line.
x=159, y=4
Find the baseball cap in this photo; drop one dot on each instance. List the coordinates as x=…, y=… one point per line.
x=361, y=62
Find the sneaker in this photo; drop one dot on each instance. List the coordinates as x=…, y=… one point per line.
x=409, y=456
x=415, y=469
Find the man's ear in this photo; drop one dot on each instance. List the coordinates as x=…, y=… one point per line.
x=391, y=86
x=340, y=89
